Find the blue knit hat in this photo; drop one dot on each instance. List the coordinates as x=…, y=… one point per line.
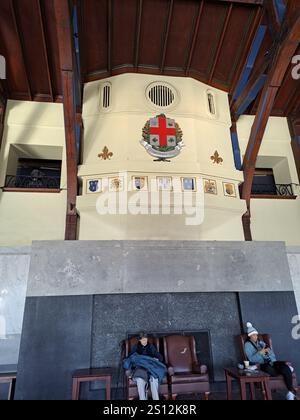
x=250, y=329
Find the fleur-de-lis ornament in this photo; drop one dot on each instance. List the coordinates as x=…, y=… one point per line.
x=106, y=154
x=216, y=158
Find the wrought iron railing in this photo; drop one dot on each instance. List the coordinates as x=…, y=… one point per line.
x=284, y=190
x=22, y=181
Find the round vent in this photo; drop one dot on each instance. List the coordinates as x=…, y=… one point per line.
x=161, y=94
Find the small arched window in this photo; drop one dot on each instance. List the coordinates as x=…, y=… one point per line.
x=211, y=103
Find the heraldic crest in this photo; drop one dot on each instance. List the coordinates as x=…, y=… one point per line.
x=162, y=138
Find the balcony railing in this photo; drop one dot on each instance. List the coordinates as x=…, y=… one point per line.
x=32, y=182
x=282, y=190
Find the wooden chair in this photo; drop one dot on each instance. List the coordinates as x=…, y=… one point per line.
x=275, y=382
x=186, y=375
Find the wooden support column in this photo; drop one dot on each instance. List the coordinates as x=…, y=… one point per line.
x=294, y=125
x=246, y=221
x=67, y=65
x=285, y=49
x=3, y=101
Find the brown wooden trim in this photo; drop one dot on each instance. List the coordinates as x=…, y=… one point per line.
x=103, y=74
x=246, y=221
x=64, y=32
x=254, y=2
x=109, y=35
x=71, y=227
x=290, y=35
x=274, y=197
x=21, y=45
x=70, y=122
x=243, y=60
x=45, y=47
x=32, y=190
x=294, y=127
x=81, y=32
x=2, y=119
x=274, y=23
x=67, y=55
x=167, y=32
x=261, y=69
x=194, y=39
x=217, y=54
x=138, y=33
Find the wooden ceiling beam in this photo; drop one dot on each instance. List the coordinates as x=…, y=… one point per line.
x=217, y=54
x=81, y=32
x=194, y=38
x=167, y=32
x=294, y=126
x=247, y=50
x=109, y=36
x=45, y=47
x=3, y=101
x=252, y=82
x=272, y=16
x=67, y=63
x=286, y=47
x=138, y=34
x=21, y=45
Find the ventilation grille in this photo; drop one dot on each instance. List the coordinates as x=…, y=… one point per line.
x=106, y=91
x=161, y=95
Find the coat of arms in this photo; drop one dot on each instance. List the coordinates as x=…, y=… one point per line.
x=162, y=138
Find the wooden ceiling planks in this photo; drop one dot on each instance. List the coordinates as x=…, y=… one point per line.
x=123, y=47
x=208, y=40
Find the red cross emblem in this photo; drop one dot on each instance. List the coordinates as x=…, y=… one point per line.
x=163, y=129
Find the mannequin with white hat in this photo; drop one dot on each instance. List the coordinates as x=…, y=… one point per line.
x=258, y=352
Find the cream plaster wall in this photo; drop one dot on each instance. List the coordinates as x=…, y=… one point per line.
x=120, y=130
x=36, y=129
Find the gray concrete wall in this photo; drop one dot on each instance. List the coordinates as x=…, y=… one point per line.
x=293, y=254
x=111, y=267
x=14, y=267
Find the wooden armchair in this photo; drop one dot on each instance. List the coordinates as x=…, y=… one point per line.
x=275, y=382
x=186, y=375
x=132, y=391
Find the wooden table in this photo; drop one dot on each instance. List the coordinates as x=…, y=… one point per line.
x=244, y=377
x=91, y=375
x=9, y=378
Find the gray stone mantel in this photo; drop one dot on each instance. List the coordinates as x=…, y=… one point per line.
x=60, y=268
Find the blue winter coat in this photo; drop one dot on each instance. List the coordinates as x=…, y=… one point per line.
x=153, y=366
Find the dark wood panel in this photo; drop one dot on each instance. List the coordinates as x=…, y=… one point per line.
x=242, y=20
x=95, y=16
x=154, y=21
x=124, y=32
x=210, y=30
x=51, y=38
x=27, y=15
x=181, y=33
